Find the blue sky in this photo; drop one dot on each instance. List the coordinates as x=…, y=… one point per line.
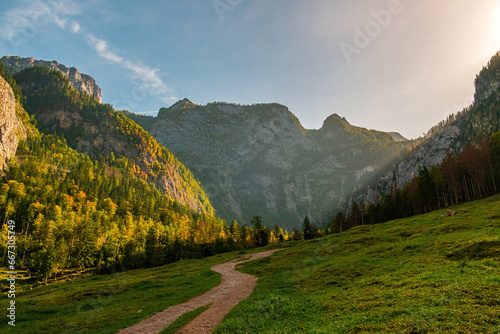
x=387, y=65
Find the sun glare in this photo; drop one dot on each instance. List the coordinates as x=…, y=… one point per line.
x=496, y=26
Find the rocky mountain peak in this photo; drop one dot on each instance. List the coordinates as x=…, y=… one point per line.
x=334, y=122
x=79, y=81
x=183, y=104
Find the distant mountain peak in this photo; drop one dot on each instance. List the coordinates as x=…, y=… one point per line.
x=397, y=136
x=335, y=121
x=183, y=104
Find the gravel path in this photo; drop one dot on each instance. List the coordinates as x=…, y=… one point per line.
x=235, y=287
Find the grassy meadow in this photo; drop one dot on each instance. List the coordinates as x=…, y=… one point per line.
x=425, y=274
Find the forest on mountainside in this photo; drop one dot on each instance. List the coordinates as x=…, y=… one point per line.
x=97, y=129
x=471, y=175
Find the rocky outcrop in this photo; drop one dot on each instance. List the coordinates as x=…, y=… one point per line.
x=11, y=127
x=259, y=160
x=79, y=81
x=449, y=138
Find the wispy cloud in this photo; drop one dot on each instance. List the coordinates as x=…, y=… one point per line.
x=150, y=78
x=29, y=16
x=25, y=21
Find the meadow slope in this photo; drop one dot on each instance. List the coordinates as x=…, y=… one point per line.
x=425, y=274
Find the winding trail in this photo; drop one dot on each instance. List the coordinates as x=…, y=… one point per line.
x=235, y=287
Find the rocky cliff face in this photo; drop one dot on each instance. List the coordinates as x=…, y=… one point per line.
x=260, y=160
x=79, y=81
x=11, y=128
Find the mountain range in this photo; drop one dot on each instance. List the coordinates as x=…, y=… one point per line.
x=249, y=159
x=259, y=159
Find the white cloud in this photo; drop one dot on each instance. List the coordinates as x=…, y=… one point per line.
x=75, y=27
x=25, y=21
x=30, y=16
x=101, y=47
x=151, y=81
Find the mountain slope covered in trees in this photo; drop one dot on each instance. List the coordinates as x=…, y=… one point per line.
x=97, y=130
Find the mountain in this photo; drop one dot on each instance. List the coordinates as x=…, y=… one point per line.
x=469, y=126
x=79, y=81
x=259, y=160
x=11, y=128
x=98, y=131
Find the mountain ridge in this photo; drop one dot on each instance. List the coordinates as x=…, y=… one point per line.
x=79, y=81
x=468, y=126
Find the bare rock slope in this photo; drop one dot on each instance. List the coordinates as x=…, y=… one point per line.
x=11, y=127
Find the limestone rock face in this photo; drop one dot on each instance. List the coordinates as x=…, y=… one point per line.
x=11, y=127
x=431, y=152
x=79, y=81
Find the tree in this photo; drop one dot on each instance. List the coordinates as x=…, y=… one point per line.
x=495, y=158
x=426, y=189
x=261, y=233
x=307, y=229
x=278, y=233
x=338, y=222
x=153, y=247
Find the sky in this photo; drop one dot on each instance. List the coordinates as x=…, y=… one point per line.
x=389, y=65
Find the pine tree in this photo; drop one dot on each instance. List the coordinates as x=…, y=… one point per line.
x=307, y=229
x=495, y=158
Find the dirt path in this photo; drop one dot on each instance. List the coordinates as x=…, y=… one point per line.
x=235, y=287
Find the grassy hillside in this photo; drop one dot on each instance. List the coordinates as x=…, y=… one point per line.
x=426, y=274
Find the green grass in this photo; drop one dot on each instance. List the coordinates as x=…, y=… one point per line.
x=184, y=319
x=425, y=274
x=107, y=303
